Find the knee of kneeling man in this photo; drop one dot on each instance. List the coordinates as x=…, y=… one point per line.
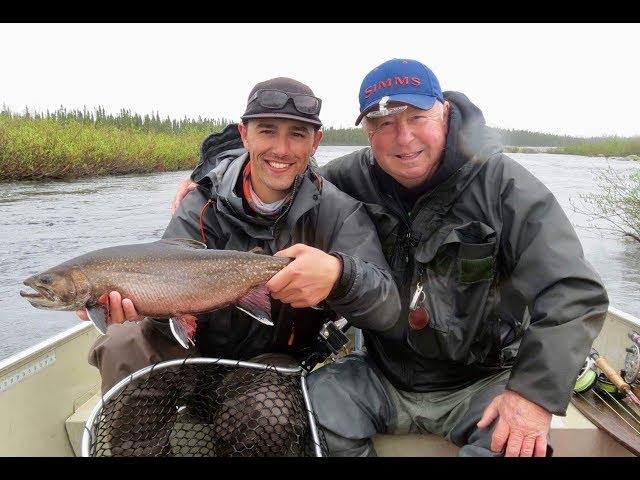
x=318, y=377
x=120, y=341
x=334, y=374
x=322, y=387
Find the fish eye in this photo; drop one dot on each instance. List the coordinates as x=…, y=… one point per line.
x=45, y=280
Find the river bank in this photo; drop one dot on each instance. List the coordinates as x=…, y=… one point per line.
x=71, y=145
x=46, y=148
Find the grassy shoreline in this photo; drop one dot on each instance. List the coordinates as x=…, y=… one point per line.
x=66, y=145
x=36, y=149
x=610, y=147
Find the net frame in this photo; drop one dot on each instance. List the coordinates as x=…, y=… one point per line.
x=114, y=391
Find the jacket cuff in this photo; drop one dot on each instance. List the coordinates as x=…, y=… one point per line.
x=555, y=405
x=549, y=359
x=346, y=278
x=543, y=378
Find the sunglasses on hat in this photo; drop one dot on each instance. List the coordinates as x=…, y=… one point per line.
x=383, y=111
x=276, y=99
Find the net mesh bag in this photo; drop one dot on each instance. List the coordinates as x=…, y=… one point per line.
x=206, y=407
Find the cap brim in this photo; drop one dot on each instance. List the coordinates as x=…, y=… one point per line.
x=282, y=115
x=424, y=102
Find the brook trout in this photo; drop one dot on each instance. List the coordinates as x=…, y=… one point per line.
x=168, y=279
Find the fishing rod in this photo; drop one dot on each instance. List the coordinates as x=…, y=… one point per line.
x=587, y=383
x=611, y=384
x=632, y=360
x=633, y=415
x=615, y=378
x=613, y=409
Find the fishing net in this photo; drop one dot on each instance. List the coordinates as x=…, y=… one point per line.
x=206, y=407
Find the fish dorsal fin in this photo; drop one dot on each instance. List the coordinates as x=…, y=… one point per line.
x=185, y=242
x=258, y=250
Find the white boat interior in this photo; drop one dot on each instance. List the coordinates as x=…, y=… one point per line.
x=48, y=391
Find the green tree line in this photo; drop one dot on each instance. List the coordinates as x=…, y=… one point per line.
x=125, y=120
x=73, y=143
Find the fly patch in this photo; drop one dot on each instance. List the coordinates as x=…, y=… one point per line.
x=476, y=270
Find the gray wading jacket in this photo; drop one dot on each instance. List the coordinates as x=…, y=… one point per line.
x=320, y=216
x=506, y=282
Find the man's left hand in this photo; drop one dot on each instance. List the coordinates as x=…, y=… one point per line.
x=522, y=425
x=308, y=279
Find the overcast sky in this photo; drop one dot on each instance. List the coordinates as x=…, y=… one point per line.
x=575, y=79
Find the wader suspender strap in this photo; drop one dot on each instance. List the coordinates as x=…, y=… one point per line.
x=442, y=199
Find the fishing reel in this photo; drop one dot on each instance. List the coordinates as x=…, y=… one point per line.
x=610, y=382
x=589, y=377
x=610, y=390
x=632, y=360
x=586, y=377
x=331, y=341
x=604, y=385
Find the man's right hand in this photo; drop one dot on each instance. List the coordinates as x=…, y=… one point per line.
x=522, y=426
x=120, y=309
x=184, y=187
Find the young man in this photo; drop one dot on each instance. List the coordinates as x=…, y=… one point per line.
x=262, y=193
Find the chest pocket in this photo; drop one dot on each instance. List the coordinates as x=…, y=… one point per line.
x=457, y=268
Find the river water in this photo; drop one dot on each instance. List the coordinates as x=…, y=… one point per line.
x=45, y=223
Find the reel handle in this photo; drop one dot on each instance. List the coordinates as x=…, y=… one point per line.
x=612, y=375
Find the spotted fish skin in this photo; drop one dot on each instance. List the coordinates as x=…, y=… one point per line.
x=166, y=278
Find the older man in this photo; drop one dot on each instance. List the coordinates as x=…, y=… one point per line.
x=499, y=305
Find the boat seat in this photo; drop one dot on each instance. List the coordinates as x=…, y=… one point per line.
x=76, y=422
x=413, y=445
x=571, y=436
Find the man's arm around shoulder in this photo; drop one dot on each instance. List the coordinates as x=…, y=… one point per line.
x=365, y=292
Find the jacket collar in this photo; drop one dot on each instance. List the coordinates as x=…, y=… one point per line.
x=222, y=180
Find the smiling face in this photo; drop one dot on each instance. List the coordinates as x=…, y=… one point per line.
x=279, y=149
x=409, y=145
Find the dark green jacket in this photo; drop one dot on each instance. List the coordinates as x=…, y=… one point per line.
x=506, y=282
x=320, y=216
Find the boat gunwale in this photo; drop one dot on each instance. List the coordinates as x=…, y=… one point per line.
x=29, y=354
x=625, y=317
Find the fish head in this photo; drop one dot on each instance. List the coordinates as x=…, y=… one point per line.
x=59, y=288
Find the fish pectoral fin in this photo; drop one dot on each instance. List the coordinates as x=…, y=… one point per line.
x=98, y=315
x=184, y=242
x=258, y=250
x=183, y=329
x=257, y=304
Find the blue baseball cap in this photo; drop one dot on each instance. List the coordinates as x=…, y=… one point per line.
x=402, y=80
